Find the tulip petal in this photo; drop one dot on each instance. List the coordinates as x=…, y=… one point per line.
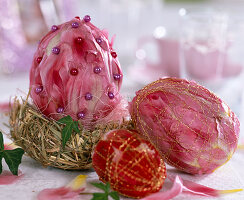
x=229, y=191
x=6, y=178
x=186, y=186
x=197, y=189
x=9, y=146
x=4, y=107
x=71, y=191
x=176, y=189
x=78, y=183
x=57, y=194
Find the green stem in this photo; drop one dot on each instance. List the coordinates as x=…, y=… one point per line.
x=86, y=193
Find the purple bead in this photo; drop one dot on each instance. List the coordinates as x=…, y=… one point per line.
x=54, y=28
x=99, y=40
x=60, y=110
x=117, y=77
x=110, y=95
x=87, y=18
x=97, y=70
x=81, y=115
x=75, y=25
x=88, y=96
x=38, y=89
x=55, y=50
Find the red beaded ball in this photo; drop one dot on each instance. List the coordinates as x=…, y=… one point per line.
x=114, y=54
x=79, y=40
x=131, y=164
x=74, y=72
x=38, y=59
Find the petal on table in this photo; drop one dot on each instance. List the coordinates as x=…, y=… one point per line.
x=195, y=188
x=71, y=191
x=4, y=107
x=180, y=185
x=7, y=178
x=57, y=194
x=176, y=189
x=79, y=183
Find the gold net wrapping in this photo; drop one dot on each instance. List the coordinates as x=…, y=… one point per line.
x=194, y=130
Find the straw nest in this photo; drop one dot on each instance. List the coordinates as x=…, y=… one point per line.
x=40, y=138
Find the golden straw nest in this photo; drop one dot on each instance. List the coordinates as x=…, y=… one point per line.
x=40, y=138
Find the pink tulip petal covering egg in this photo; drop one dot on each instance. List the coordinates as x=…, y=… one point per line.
x=194, y=130
x=75, y=72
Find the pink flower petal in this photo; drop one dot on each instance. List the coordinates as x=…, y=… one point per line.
x=8, y=147
x=4, y=107
x=57, y=194
x=181, y=185
x=71, y=191
x=197, y=189
x=194, y=188
x=176, y=189
x=6, y=178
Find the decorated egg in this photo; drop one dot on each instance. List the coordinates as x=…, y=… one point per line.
x=131, y=164
x=194, y=130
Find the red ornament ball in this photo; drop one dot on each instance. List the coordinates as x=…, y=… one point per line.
x=38, y=59
x=114, y=54
x=74, y=72
x=131, y=164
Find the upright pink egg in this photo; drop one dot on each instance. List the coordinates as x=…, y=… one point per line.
x=74, y=72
